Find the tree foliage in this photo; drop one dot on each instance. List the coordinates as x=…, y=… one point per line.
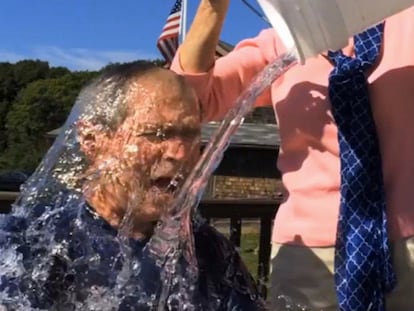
x=34, y=99
x=41, y=106
x=15, y=77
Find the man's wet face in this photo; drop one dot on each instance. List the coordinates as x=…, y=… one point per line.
x=157, y=143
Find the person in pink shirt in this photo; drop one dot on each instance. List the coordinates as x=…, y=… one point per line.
x=305, y=226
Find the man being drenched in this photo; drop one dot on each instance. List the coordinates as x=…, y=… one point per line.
x=75, y=237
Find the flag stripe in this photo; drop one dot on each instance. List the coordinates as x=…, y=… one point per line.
x=168, y=41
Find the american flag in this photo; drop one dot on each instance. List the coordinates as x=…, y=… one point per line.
x=168, y=41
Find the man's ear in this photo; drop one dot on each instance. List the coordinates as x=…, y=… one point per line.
x=91, y=138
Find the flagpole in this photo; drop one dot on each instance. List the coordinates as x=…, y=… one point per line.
x=183, y=20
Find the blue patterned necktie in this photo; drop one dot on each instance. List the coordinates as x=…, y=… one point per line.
x=363, y=269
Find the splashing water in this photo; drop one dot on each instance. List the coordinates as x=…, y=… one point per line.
x=56, y=252
x=173, y=237
x=190, y=193
x=112, y=271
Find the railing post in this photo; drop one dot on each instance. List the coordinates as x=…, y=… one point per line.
x=264, y=254
x=235, y=230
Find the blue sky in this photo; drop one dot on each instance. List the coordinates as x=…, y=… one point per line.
x=87, y=34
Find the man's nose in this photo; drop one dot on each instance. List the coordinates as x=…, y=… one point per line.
x=176, y=149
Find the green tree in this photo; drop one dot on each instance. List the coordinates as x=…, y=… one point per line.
x=15, y=77
x=57, y=72
x=27, y=71
x=8, y=90
x=40, y=107
x=34, y=99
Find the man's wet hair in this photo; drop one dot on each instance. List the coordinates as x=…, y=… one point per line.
x=103, y=104
x=106, y=101
x=126, y=71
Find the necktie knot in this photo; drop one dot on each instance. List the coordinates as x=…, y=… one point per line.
x=346, y=67
x=367, y=46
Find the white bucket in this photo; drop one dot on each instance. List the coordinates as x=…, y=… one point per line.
x=315, y=26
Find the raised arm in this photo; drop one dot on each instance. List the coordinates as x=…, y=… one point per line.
x=219, y=82
x=197, y=53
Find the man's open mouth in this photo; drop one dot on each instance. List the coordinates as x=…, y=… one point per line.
x=167, y=183
x=163, y=184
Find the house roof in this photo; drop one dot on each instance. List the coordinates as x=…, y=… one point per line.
x=248, y=135
x=252, y=135
x=223, y=48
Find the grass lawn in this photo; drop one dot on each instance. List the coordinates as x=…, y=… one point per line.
x=249, y=251
x=249, y=247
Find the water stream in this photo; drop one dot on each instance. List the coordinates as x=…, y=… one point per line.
x=173, y=238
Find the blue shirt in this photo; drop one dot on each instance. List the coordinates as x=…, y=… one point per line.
x=84, y=260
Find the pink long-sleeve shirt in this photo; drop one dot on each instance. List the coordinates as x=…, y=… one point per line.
x=309, y=151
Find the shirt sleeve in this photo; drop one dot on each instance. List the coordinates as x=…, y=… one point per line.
x=219, y=88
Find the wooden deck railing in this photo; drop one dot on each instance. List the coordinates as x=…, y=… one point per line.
x=237, y=211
